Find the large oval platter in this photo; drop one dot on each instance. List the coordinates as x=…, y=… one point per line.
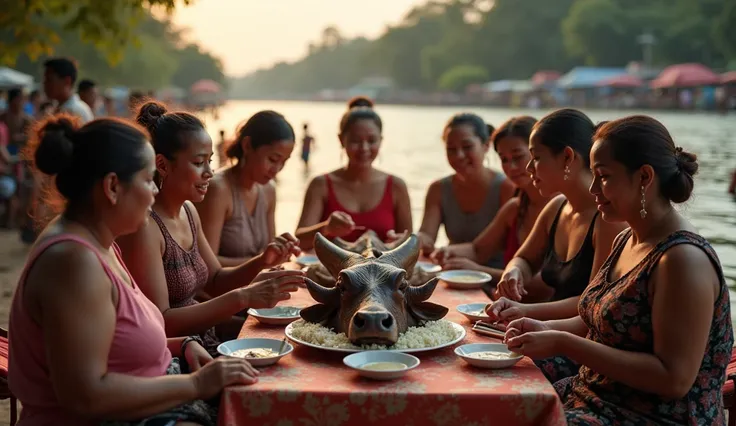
x=458, y=328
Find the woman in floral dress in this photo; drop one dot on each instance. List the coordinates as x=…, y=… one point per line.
x=654, y=333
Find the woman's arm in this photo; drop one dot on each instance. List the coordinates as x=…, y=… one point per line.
x=77, y=316
x=270, y=192
x=685, y=288
x=432, y=218
x=142, y=253
x=402, y=206
x=574, y=325
x=492, y=239
x=314, y=204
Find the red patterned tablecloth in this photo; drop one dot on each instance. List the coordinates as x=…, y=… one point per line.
x=312, y=387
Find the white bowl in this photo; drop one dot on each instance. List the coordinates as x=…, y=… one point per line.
x=280, y=315
x=471, y=311
x=231, y=346
x=358, y=361
x=428, y=267
x=464, y=278
x=465, y=352
x=307, y=260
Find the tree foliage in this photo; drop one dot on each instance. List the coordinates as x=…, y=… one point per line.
x=509, y=39
x=458, y=78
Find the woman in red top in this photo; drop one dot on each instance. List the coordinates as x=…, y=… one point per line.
x=348, y=201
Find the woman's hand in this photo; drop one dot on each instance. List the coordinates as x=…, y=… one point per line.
x=534, y=339
x=441, y=255
x=392, y=236
x=339, y=224
x=505, y=310
x=426, y=244
x=511, y=285
x=196, y=356
x=280, y=250
x=271, y=287
x=213, y=377
x=460, y=263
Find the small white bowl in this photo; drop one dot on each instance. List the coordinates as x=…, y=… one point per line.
x=428, y=267
x=280, y=315
x=307, y=260
x=471, y=310
x=464, y=279
x=465, y=352
x=358, y=362
x=227, y=349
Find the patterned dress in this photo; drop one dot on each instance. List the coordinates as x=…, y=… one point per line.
x=619, y=315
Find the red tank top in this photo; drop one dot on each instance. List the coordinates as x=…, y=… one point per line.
x=380, y=220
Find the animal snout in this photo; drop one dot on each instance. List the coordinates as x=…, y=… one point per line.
x=374, y=326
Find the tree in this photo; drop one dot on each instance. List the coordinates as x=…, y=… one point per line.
x=597, y=31
x=25, y=26
x=461, y=76
x=724, y=32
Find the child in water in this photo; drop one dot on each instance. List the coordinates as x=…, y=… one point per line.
x=307, y=142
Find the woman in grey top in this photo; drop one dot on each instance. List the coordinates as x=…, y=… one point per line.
x=467, y=201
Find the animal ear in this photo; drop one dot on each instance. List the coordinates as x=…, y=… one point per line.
x=334, y=258
x=427, y=311
x=404, y=256
x=318, y=313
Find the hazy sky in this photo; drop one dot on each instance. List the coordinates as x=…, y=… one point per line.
x=249, y=34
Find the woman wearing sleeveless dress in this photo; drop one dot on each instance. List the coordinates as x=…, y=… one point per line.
x=170, y=256
x=515, y=219
x=567, y=244
x=467, y=201
x=238, y=213
x=86, y=346
x=348, y=201
x=654, y=334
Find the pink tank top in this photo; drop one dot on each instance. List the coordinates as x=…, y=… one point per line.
x=380, y=220
x=139, y=346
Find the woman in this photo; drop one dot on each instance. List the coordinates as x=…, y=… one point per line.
x=170, y=256
x=347, y=201
x=639, y=367
x=515, y=219
x=238, y=213
x=467, y=201
x=86, y=346
x=567, y=244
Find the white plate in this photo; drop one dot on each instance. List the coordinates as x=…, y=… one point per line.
x=465, y=350
x=464, y=279
x=358, y=360
x=470, y=311
x=459, y=328
x=428, y=267
x=230, y=346
x=280, y=315
x=307, y=260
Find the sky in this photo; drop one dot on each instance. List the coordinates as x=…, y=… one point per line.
x=250, y=34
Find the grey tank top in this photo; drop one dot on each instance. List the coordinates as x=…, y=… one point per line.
x=462, y=227
x=243, y=234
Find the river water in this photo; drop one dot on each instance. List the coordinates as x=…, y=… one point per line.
x=413, y=150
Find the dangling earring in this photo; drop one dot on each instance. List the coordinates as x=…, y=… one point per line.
x=643, y=211
x=486, y=162
x=567, y=173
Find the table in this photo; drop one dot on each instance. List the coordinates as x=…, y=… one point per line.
x=312, y=387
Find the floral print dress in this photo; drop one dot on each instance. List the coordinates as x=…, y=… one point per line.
x=619, y=315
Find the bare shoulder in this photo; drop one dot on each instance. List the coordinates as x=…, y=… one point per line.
x=398, y=183
x=149, y=235
x=195, y=214
x=318, y=185
x=218, y=185
x=550, y=210
x=270, y=190
x=686, y=266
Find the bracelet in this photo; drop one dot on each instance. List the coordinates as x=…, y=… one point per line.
x=188, y=340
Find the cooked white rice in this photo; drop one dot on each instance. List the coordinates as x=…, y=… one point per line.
x=432, y=333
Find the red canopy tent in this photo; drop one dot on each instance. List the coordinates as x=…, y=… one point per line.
x=625, y=81
x=205, y=86
x=685, y=75
x=728, y=78
x=541, y=78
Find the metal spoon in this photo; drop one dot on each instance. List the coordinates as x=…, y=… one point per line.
x=283, y=345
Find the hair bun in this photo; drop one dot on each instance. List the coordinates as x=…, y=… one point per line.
x=55, y=152
x=686, y=161
x=149, y=114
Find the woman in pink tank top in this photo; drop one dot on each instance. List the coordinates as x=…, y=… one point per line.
x=346, y=202
x=86, y=346
x=170, y=256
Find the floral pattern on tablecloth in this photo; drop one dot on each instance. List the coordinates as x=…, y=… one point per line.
x=312, y=387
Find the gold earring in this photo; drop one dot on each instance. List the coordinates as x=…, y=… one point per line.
x=643, y=211
x=567, y=173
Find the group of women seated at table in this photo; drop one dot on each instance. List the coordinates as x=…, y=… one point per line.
x=154, y=257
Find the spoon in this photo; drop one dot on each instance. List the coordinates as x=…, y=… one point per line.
x=283, y=345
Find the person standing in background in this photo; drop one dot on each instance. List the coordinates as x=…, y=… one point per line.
x=59, y=77
x=307, y=142
x=87, y=90
x=17, y=122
